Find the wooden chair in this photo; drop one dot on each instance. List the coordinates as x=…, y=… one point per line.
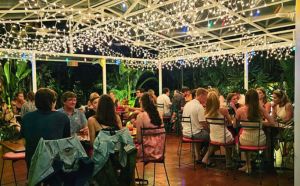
x=154, y=133
x=191, y=140
x=13, y=157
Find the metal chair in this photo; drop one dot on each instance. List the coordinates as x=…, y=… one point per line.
x=158, y=132
x=191, y=140
x=13, y=157
x=256, y=126
x=219, y=122
x=166, y=119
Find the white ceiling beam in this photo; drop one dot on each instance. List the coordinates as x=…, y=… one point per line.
x=252, y=32
x=235, y=40
x=11, y=9
x=134, y=4
x=255, y=19
x=27, y=16
x=245, y=19
x=231, y=51
x=133, y=13
x=73, y=55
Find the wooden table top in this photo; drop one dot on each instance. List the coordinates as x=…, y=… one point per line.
x=14, y=145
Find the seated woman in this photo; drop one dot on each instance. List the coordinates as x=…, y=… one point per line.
x=232, y=102
x=149, y=118
x=91, y=111
x=252, y=111
x=106, y=117
x=282, y=107
x=213, y=110
x=263, y=101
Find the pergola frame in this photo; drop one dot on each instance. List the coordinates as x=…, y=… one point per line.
x=269, y=30
x=271, y=27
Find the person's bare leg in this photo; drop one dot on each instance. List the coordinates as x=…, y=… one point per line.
x=211, y=150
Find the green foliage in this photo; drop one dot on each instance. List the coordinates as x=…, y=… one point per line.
x=288, y=77
x=124, y=82
x=8, y=132
x=13, y=75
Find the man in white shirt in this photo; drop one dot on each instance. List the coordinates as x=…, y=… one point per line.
x=165, y=102
x=195, y=110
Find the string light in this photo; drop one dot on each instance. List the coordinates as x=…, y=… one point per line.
x=153, y=33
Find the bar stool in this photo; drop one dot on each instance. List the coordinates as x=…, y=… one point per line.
x=13, y=157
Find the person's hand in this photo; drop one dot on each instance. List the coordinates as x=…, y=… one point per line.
x=232, y=105
x=85, y=131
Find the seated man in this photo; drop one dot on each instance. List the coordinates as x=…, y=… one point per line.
x=78, y=120
x=45, y=122
x=195, y=110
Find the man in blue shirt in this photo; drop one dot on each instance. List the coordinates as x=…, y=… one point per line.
x=77, y=118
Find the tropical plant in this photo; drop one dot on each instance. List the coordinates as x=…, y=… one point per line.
x=13, y=74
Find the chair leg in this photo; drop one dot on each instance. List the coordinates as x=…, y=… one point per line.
x=193, y=155
x=13, y=168
x=1, y=172
x=137, y=172
x=166, y=174
x=180, y=149
x=143, y=173
x=154, y=174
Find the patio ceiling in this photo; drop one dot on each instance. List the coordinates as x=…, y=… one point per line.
x=167, y=30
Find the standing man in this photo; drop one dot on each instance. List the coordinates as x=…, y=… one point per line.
x=195, y=110
x=164, y=100
x=78, y=120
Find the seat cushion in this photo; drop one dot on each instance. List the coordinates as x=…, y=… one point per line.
x=13, y=156
x=190, y=140
x=252, y=148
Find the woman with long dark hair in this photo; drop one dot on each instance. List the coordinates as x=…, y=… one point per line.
x=252, y=111
x=149, y=118
x=106, y=117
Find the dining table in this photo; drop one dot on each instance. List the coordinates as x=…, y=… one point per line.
x=14, y=145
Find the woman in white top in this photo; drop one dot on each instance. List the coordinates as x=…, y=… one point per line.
x=282, y=109
x=252, y=111
x=217, y=133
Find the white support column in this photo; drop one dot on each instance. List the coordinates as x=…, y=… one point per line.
x=297, y=100
x=103, y=65
x=159, y=78
x=33, y=71
x=246, y=73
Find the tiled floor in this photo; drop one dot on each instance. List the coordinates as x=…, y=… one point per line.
x=185, y=175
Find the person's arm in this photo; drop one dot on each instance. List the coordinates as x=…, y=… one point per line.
x=201, y=118
x=139, y=123
x=270, y=120
x=92, y=131
x=268, y=107
x=225, y=113
x=274, y=115
x=289, y=112
x=237, y=117
x=119, y=122
x=83, y=120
